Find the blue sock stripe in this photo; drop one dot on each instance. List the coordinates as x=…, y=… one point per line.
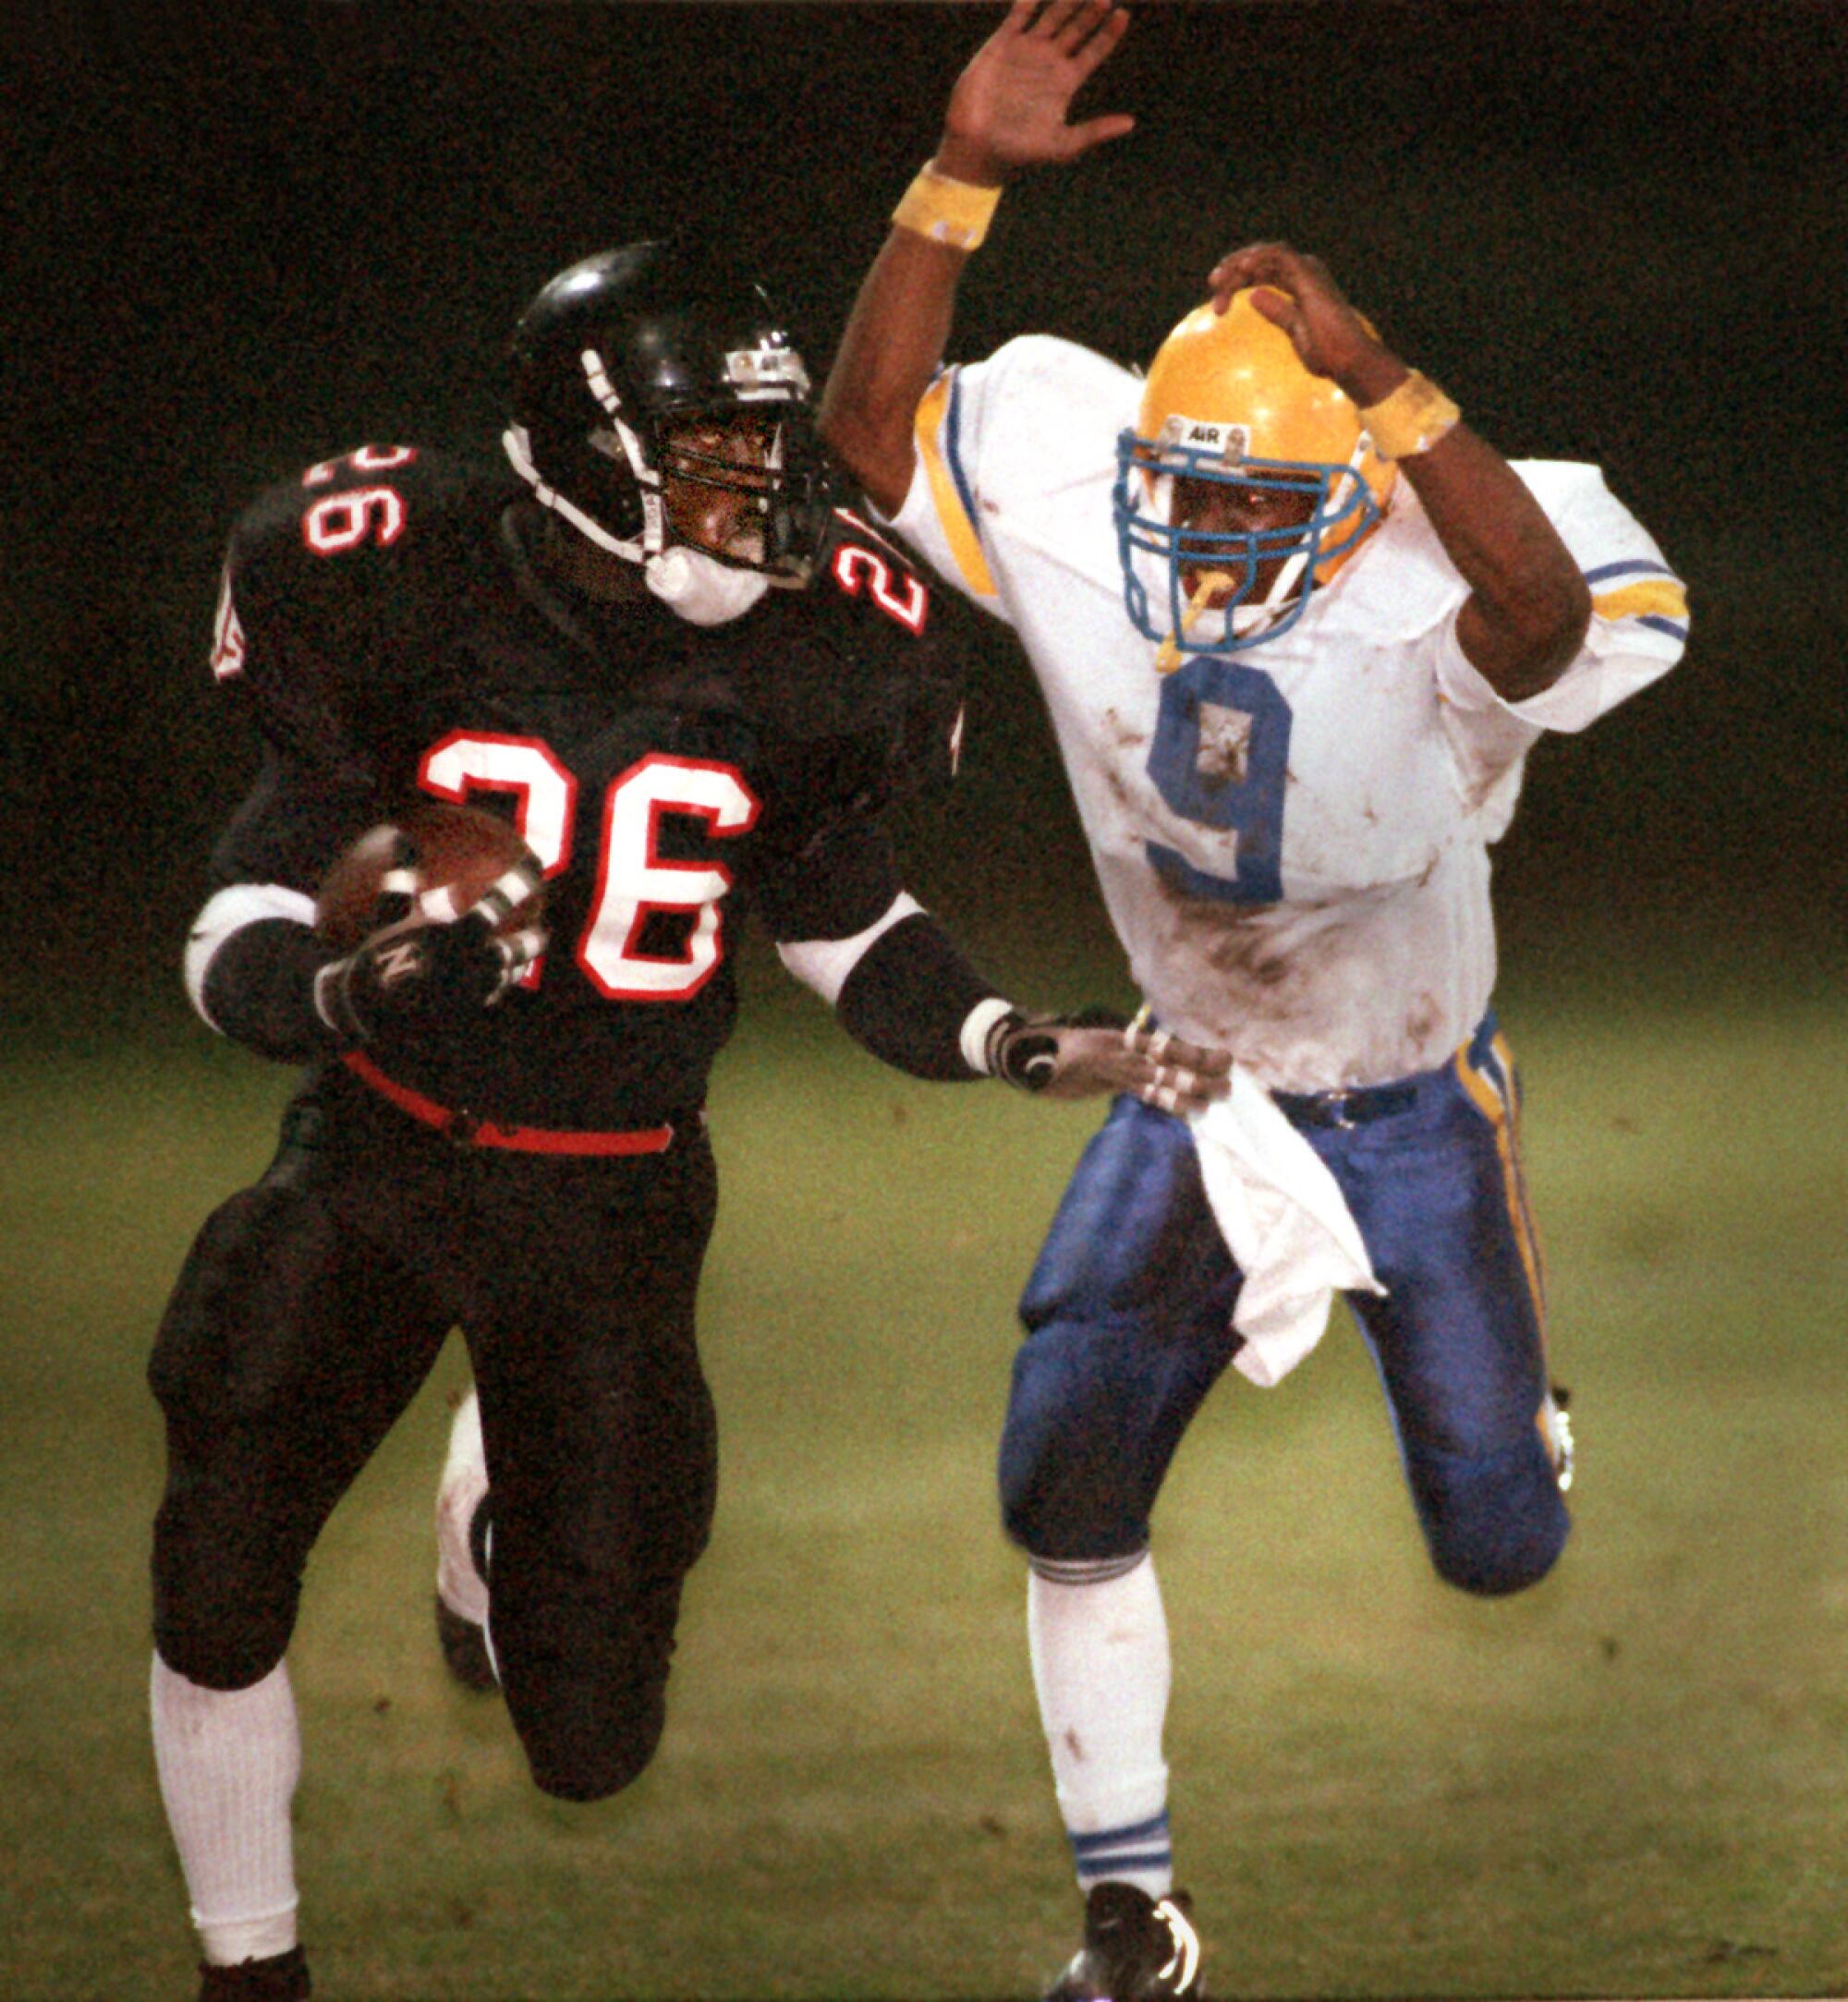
x=1133, y=1832
x=1095, y=1867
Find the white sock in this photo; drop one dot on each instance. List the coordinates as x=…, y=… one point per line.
x=228, y=1761
x=459, y=1584
x=1098, y=1641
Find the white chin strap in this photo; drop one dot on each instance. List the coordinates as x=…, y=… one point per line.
x=1248, y=618
x=703, y=592
x=685, y=580
x=519, y=454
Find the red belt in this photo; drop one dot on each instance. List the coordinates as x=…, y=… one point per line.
x=466, y=1130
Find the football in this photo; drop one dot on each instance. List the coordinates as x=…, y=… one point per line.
x=428, y=846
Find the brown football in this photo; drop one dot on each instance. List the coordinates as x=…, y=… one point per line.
x=427, y=846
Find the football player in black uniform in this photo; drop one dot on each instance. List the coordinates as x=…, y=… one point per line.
x=691, y=684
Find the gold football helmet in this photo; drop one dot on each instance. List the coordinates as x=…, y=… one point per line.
x=1228, y=401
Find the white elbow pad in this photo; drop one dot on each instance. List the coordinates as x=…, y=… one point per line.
x=824, y=964
x=229, y=911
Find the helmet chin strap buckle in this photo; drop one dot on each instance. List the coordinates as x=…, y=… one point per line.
x=702, y=591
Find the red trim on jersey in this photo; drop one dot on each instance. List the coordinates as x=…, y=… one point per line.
x=367, y=459
x=547, y=832
x=467, y=1131
x=855, y=566
x=592, y=957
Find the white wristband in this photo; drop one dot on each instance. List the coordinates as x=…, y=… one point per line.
x=979, y=1020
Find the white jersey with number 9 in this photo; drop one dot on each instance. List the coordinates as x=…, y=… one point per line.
x=1292, y=840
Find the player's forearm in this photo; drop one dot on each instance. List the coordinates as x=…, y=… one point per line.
x=915, y=1002
x=250, y=967
x=1529, y=607
x=891, y=348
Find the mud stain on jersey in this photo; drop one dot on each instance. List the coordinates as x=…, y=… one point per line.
x=1122, y=760
x=1238, y=956
x=1300, y=992
x=1119, y=791
x=1240, y=944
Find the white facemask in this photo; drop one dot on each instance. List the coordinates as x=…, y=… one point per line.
x=702, y=591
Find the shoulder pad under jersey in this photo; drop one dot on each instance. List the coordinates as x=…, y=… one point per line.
x=327, y=573
x=898, y=645
x=851, y=651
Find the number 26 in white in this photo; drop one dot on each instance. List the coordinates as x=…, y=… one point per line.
x=633, y=881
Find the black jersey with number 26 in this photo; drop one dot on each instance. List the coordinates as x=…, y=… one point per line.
x=390, y=637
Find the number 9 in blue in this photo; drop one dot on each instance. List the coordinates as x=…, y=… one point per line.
x=1220, y=750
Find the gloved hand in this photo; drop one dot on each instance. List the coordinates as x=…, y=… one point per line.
x=427, y=971
x=1079, y=1056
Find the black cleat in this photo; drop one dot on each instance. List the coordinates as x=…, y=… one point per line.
x=464, y=1651
x=1136, y=1949
x=281, y=1978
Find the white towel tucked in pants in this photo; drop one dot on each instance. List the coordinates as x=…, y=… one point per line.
x=1287, y=1223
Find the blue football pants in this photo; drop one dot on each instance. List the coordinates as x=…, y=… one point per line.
x=1128, y=1320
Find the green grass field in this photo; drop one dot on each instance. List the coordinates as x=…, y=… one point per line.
x=1631, y=1783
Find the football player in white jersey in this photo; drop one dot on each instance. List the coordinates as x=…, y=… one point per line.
x=1297, y=626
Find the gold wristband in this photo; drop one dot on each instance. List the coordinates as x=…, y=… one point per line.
x=1411, y=419
x=946, y=211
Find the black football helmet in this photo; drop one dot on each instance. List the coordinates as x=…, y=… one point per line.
x=624, y=349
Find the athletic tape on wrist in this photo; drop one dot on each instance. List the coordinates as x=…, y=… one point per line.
x=978, y=1026
x=946, y=211
x=1411, y=419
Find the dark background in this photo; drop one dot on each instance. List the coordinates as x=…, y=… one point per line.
x=245, y=239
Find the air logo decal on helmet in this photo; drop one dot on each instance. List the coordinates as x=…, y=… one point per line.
x=1230, y=443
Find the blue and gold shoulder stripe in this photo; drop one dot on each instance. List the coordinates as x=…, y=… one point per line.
x=937, y=428
x=1639, y=588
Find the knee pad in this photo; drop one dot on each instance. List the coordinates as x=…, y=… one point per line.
x=225, y=1594
x=585, y=1774
x=211, y=1626
x=1495, y=1522
x=1097, y=1410
x=225, y=1662
x=574, y=1763
x=1069, y=1486
x=1068, y=1506
x=585, y=1681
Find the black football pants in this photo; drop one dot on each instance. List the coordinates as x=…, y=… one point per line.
x=309, y=1312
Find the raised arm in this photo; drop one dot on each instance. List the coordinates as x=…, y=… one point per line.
x=1008, y=111
x=1528, y=606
